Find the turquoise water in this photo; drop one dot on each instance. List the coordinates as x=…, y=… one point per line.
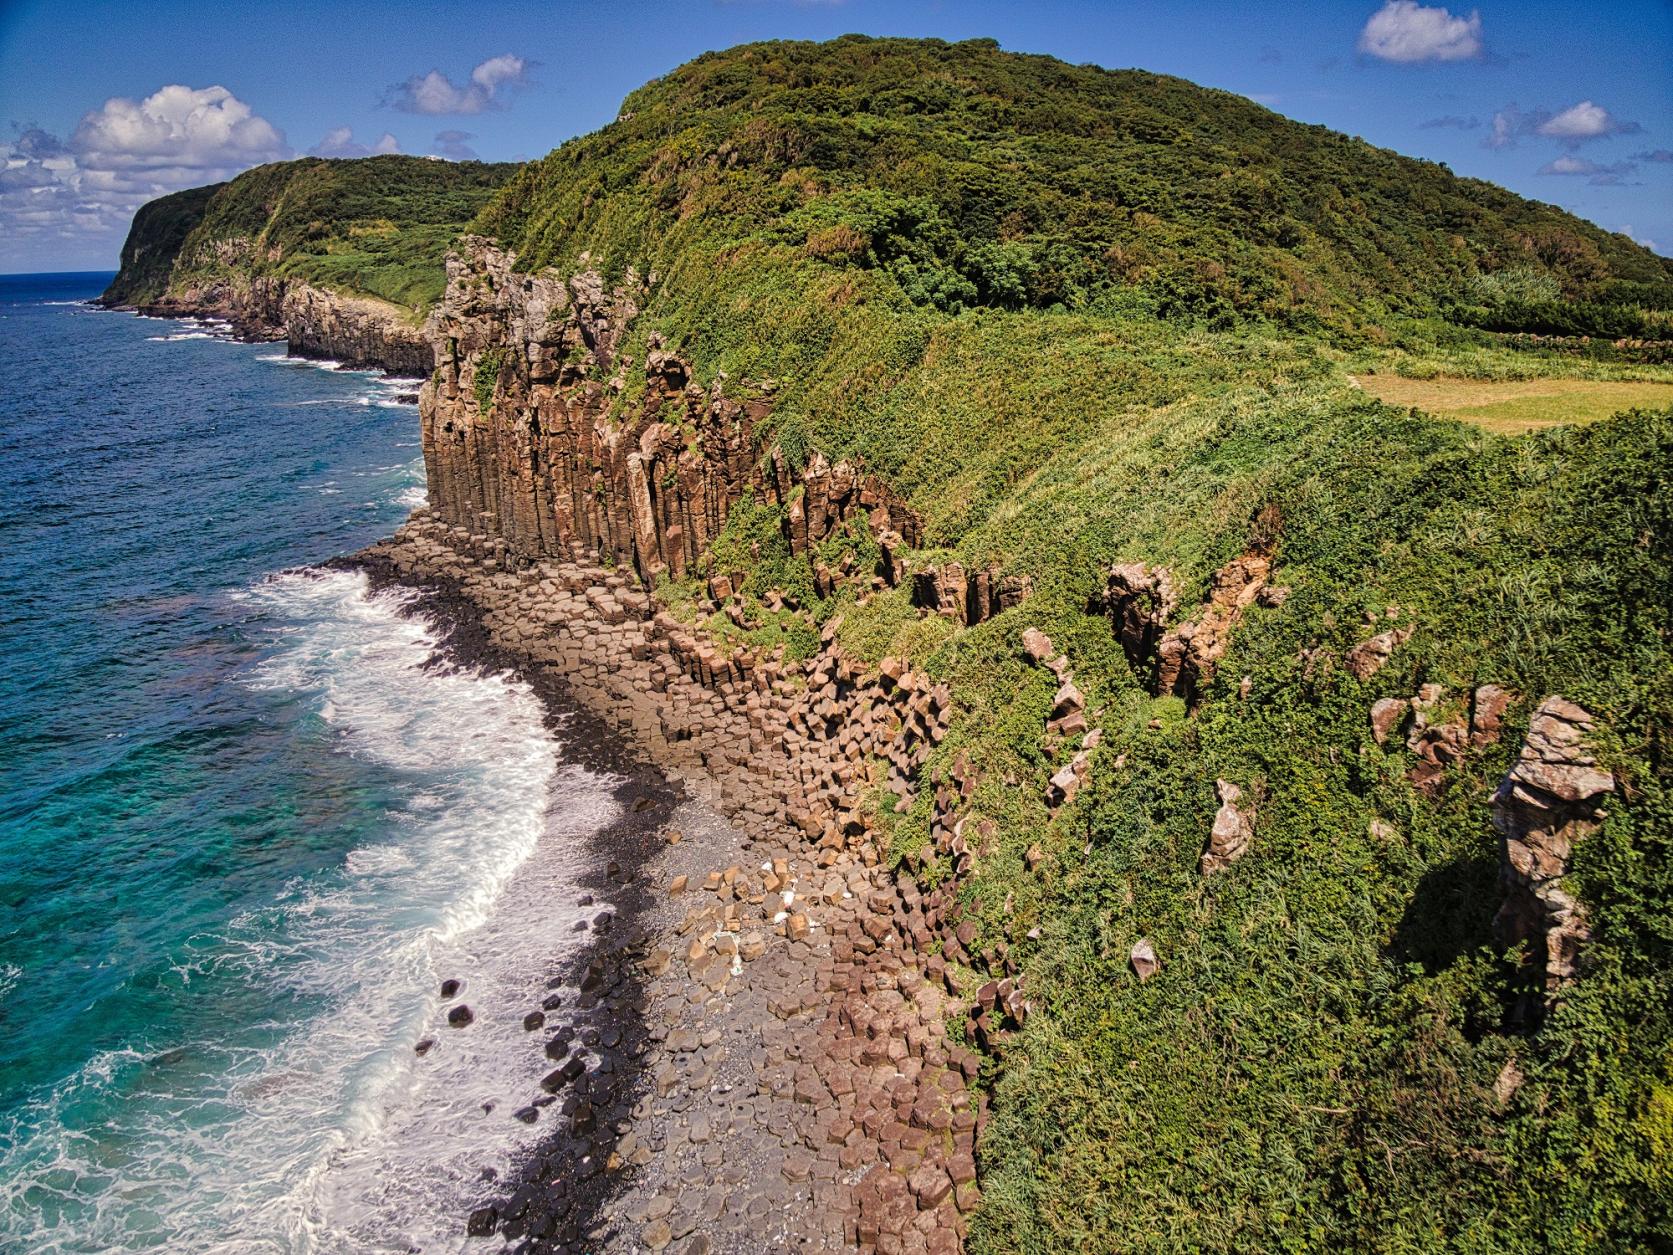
x=245, y=828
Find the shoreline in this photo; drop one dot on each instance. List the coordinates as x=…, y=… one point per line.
x=797, y=1086
x=561, y=1186
x=314, y=324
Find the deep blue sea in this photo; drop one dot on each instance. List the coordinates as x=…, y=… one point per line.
x=245, y=830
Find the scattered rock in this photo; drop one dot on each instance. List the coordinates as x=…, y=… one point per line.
x=1144, y=960
x=460, y=1016
x=1037, y=646
x=1367, y=658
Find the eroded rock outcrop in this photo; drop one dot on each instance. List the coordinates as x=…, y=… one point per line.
x=1548, y=802
x=1181, y=661
x=1233, y=830
x=1139, y=600
x=1440, y=734
x=967, y=597
x=358, y=331
x=1188, y=656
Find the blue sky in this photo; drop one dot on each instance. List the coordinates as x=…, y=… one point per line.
x=104, y=105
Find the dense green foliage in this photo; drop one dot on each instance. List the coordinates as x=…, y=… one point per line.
x=1081, y=317
x=378, y=226
x=976, y=177
x=154, y=241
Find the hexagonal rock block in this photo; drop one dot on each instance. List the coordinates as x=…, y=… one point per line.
x=929, y=1184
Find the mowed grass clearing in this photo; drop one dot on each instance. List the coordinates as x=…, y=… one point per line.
x=1509, y=407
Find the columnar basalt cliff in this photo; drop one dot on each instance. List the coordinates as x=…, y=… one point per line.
x=540, y=428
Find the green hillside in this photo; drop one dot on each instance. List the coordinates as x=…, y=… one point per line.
x=380, y=226
x=975, y=177
x=1082, y=317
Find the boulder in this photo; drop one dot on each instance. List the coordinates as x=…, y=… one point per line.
x=1233, y=830
x=1037, y=646
x=1387, y=714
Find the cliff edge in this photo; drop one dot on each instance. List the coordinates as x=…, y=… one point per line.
x=341, y=258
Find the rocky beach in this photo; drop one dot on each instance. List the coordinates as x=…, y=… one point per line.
x=762, y=1059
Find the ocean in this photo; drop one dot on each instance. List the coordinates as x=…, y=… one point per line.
x=249, y=819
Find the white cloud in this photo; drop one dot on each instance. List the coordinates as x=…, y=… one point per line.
x=1584, y=121
x=436, y=95
x=1609, y=175
x=1572, y=127
x=78, y=197
x=339, y=141
x=1567, y=164
x=176, y=128
x=1405, y=31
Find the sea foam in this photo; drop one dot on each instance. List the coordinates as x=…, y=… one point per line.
x=341, y=1137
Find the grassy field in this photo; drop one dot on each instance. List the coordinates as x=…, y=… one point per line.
x=1511, y=407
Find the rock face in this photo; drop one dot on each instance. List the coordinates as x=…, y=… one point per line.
x=1233, y=830
x=1549, y=800
x=532, y=434
x=358, y=331
x=1139, y=600
x=1182, y=660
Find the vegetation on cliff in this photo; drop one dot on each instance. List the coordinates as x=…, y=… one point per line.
x=375, y=226
x=1082, y=318
x=971, y=177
